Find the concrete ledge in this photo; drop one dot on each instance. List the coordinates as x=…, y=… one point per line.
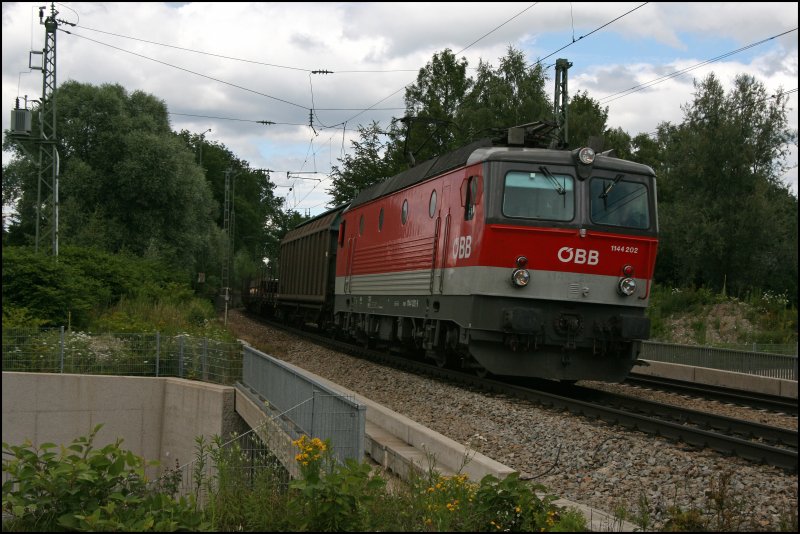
x=406, y=444
x=716, y=377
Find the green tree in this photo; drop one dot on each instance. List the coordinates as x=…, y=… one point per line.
x=365, y=167
x=586, y=119
x=510, y=95
x=126, y=182
x=729, y=222
x=444, y=110
x=253, y=206
x=432, y=106
x=618, y=140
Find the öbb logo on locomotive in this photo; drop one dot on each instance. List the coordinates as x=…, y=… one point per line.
x=578, y=255
x=462, y=247
x=500, y=243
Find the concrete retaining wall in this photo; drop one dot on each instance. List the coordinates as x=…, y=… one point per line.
x=717, y=377
x=158, y=418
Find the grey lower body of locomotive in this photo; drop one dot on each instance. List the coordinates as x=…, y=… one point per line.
x=504, y=336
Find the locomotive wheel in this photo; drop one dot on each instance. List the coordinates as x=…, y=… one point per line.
x=441, y=358
x=482, y=372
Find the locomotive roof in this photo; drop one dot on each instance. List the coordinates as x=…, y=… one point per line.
x=556, y=157
x=424, y=170
x=486, y=150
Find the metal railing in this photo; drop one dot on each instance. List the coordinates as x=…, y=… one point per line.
x=306, y=406
x=244, y=460
x=130, y=354
x=740, y=361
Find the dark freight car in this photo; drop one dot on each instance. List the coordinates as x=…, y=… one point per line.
x=308, y=269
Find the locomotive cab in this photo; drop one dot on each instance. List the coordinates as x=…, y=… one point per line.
x=575, y=234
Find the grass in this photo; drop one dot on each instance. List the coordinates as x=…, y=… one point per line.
x=761, y=318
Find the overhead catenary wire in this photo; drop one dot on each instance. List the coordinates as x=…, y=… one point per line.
x=319, y=124
x=642, y=86
x=588, y=34
x=186, y=70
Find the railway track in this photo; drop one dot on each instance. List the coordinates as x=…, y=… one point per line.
x=752, y=441
x=772, y=403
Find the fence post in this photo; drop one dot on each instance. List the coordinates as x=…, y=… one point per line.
x=158, y=350
x=61, y=348
x=205, y=358
x=180, y=357
x=313, y=409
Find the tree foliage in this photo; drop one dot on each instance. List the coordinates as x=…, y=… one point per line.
x=728, y=222
x=366, y=166
x=586, y=119
x=77, y=286
x=510, y=95
x=126, y=181
x=252, y=211
x=432, y=106
x=445, y=109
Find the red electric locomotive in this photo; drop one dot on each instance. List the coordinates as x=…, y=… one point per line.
x=503, y=258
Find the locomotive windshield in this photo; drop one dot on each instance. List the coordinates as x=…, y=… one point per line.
x=539, y=195
x=616, y=202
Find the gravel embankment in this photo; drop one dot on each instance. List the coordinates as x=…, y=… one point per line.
x=589, y=462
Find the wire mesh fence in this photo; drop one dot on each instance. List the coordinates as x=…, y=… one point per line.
x=129, y=354
x=244, y=461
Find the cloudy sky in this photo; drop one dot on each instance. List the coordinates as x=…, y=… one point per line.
x=226, y=66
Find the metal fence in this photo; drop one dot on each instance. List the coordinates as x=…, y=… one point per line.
x=740, y=361
x=243, y=461
x=305, y=406
x=149, y=354
x=787, y=349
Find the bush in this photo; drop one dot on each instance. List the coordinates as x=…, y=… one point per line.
x=87, y=489
x=80, y=284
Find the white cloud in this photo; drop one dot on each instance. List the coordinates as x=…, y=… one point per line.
x=652, y=41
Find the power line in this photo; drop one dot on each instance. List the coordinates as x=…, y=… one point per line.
x=186, y=70
x=222, y=81
x=497, y=28
x=666, y=77
x=588, y=34
x=232, y=58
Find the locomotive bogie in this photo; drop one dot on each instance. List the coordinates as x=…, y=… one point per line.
x=505, y=336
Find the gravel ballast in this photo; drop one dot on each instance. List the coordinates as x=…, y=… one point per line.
x=589, y=462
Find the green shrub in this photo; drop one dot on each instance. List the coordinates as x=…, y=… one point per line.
x=19, y=317
x=81, y=283
x=87, y=489
x=331, y=497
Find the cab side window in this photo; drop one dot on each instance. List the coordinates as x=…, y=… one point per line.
x=470, y=196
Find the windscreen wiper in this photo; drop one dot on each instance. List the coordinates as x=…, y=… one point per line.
x=553, y=180
x=604, y=194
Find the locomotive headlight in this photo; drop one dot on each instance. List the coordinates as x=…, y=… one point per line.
x=520, y=277
x=586, y=156
x=627, y=286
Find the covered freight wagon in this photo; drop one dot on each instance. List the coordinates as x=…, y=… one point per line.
x=308, y=268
